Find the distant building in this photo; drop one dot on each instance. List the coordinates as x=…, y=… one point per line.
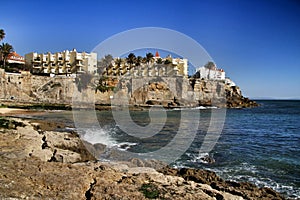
x=15, y=58
x=66, y=62
x=210, y=73
x=182, y=65
x=157, y=67
x=229, y=82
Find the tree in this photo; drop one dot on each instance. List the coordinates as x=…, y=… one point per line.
x=2, y=34
x=210, y=65
x=5, y=50
x=104, y=63
x=139, y=60
x=131, y=59
x=167, y=62
x=103, y=85
x=149, y=57
x=159, y=61
x=118, y=62
x=83, y=81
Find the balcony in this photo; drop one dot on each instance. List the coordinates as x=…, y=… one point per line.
x=37, y=66
x=78, y=63
x=60, y=61
x=67, y=58
x=79, y=57
x=37, y=60
x=51, y=58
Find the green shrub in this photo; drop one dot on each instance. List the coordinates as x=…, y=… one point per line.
x=149, y=190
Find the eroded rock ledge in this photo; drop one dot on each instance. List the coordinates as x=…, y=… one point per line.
x=41, y=164
x=31, y=91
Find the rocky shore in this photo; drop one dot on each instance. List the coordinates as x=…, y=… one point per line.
x=39, y=163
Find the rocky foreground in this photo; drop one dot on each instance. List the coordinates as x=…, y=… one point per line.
x=39, y=163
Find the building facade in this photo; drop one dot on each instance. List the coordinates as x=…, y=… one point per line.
x=211, y=73
x=66, y=62
x=156, y=67
x=15, y=58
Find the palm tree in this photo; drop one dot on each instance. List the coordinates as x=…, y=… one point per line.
x=118, y=62
x=159, y=61
x=2, y=34
x=149, y=57
x=5, y=50
x=167, y=62
x=139, y=60
x=131, y=59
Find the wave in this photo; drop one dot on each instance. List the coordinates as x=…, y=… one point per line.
x=95, y=135
x=105, y=136
x=197, y=108
x=123, y=146
x=200, y=158
x=246, y=172
x=290, y=191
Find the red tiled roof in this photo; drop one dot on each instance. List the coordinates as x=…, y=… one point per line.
x=157, y=54
x=14, y=57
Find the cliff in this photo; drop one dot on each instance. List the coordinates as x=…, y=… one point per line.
x=28, y=89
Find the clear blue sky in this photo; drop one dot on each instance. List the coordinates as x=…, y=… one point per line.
x=256, y=42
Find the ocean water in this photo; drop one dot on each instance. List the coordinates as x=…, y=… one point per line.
x=260, y=145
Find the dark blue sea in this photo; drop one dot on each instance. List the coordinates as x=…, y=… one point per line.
x=260, y=145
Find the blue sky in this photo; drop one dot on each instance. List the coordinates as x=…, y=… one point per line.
x=257, y=43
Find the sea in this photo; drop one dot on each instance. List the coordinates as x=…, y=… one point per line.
x=260, y=145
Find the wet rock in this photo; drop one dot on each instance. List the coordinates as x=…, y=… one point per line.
x=244, y=190
x=208, y=159
x=235, y=99
x=96, y=150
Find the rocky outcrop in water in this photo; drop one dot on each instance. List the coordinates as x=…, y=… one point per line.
x=243, y=189
x=235, y=99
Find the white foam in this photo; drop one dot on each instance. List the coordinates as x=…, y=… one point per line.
x=93, y=136
x=199, y=158
x=238, y=174
x=197, y=108
x=127, y=145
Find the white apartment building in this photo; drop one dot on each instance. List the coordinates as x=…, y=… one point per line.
x=182, y=65
x=211, y=74
x=66, y=62
x=177, y=67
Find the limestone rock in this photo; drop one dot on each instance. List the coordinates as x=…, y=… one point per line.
x=26, y=174
x=244, y=190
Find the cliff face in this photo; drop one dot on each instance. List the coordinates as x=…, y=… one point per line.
x=191, y=93
x=235, y=99
x=25, y=87
x=145, y=91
